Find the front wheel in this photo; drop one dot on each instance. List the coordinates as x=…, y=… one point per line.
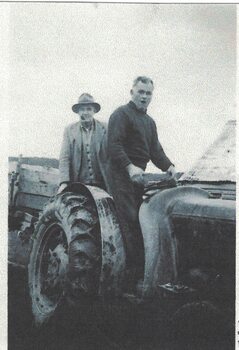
x=65, y=252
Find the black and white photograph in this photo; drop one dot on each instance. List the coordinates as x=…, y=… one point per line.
x=121, y=175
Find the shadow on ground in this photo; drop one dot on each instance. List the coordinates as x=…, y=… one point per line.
x=67, y=331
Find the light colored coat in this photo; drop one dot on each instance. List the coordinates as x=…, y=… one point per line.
x=71, y=151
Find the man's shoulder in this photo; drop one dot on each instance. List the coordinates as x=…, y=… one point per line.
x=72, y=126
x=100, y=123
x=150, y=119
x=121, y=111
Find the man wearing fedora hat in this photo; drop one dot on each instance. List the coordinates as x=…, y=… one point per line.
x=82, y=155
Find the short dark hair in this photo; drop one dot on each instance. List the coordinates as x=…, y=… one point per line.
x=144, y=80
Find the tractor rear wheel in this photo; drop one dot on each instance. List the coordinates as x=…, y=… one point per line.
x=65, y=256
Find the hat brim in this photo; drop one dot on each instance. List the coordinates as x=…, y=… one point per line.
x=96, y=105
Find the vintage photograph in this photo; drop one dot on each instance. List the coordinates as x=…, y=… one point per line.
x=121, y=176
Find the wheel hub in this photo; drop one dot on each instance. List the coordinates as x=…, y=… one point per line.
x=52, y=268
x=56, y=269
x=56, y=265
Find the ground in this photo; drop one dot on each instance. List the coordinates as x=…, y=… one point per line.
x=68, y=332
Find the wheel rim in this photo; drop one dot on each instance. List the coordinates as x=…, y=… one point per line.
x=50, y=270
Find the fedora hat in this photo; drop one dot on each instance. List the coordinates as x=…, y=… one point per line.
x=86, y=99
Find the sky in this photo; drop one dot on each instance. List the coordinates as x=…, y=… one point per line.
x=58, y=51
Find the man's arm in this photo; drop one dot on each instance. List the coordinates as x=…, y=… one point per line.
x=157, y=153
x=117, y=134
x=64, y=159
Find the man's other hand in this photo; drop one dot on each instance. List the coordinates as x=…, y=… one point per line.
x=134, y=170
x=62, y=187
x=172, y=171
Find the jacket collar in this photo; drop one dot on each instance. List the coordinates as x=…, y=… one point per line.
x=99, y=131
x=91, y=125
x=133, y=106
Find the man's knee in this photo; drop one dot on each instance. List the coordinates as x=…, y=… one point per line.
x=128, y=213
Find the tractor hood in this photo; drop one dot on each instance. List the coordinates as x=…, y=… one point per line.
x=204, y=208
x=176, y=216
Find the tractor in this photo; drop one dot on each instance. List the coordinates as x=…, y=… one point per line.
x=73, y=249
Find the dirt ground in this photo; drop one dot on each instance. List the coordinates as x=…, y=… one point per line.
x=69, y=332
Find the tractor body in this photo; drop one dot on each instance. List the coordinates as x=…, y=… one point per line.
x=188, y=232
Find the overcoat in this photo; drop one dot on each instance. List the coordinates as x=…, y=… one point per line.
x=71, y=151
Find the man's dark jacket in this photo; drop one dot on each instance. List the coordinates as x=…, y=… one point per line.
x=133, y=138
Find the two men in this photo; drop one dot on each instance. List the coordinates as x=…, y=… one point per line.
x=81, y=156
x=132, y=142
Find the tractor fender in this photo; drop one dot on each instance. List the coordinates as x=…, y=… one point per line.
x=113, y=251
x=160, y=243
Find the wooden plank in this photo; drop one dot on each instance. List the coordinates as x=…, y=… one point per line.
x=50, y=162
x=38, y=180
x=39, y=174
x=30, y=201
x=39, y=188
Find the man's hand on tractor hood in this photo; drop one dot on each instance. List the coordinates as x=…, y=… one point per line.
x=135, y=174
x=134, y=170
x=172, y=171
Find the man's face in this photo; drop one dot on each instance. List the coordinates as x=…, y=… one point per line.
x=86, y=113
x=141, y=95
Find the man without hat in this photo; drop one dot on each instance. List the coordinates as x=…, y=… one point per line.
x=132, y=142
x=82, y=157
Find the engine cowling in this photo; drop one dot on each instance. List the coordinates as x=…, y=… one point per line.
x=187, y=233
